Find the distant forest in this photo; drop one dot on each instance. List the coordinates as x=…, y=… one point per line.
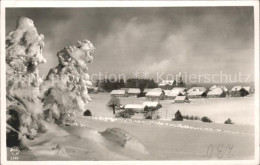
x=109, y=85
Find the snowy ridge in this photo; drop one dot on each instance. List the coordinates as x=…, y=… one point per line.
x=129, y=121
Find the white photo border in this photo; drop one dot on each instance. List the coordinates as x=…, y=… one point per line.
x=83, y=4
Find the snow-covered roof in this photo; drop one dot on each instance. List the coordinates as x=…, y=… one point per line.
x=154, y=93
x=224, y=88
x=247, y=88
x=175, y=91
x=117, y=92
x=146, y=90
x=156, y=90
x=180, y=98
x=195, y=93
x=236, y=88
x=219, y=86
x=201, y=89
x=134, y=106
x=133, y=91
x=216, y=91
x=213, y=87
x=150, y=104
x=166, y=91
x=166, y=82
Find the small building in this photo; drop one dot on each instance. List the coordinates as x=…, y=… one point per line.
x=125, y=89
x=178, y=91
x=166, y=92
x=155, y=95
x=135, y=107
x=248, y=89
x=166, y=84
x=224, y=88
x=100, y=89
x=155, y=105
x=95, y=90
x=133, y=91
x=196, y=89
x=157, y=89
x=238, y=91
x=118, y=93
x=196, y=92
x=90, y=90
x=216, y=92
x=181, y=99
x=146, y=90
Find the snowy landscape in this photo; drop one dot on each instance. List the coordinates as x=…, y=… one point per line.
x=57, y=111
x=217, y=109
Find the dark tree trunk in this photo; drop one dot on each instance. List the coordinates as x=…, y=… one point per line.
x=114, y=109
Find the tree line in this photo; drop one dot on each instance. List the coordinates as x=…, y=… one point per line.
x=111, y=84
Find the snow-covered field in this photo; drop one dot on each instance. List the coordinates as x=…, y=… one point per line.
x=239, y=109
x=162, y=139
x=161, y=142
x=176, y=143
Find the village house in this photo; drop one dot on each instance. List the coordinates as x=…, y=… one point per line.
x=95, y=90
x=155, y=94
x=100, y=89
x=146, y=90
x=125, y=89
x=155, y=105
x=224, y=88
x=133, y=92
x=157, y=89
x=166, y=92
x=238, y=91
x=118, y=93
x=135, y=107
x=248, y=89
x=196, y=92
x=90, y=90
x=175, y=92
x=166, y=84
x=181, y=99
x=216, y=92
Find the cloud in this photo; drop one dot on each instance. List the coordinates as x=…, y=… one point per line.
x=195, y=39
x=138, y=45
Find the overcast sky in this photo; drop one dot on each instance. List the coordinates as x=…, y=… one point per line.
x=191, y=39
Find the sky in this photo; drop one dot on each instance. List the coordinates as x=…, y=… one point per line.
x=197, y=40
